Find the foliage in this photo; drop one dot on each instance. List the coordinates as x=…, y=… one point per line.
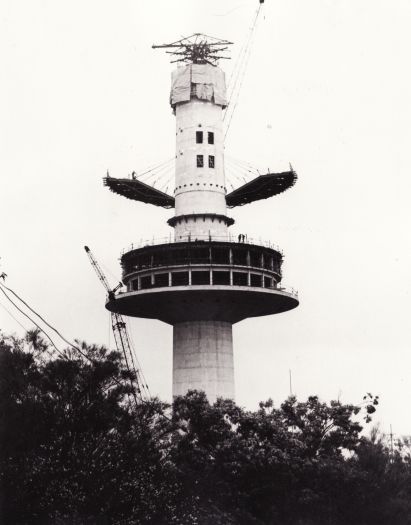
x=74, y=449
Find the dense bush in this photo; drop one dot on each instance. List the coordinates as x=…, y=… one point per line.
x=74, y=449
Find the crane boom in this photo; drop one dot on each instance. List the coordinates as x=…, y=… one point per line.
x=100, y=273
x=122, y=338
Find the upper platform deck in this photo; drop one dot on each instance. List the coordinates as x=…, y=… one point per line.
x=262, y=187
x=139, y=191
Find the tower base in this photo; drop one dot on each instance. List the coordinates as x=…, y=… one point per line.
x=203, y=358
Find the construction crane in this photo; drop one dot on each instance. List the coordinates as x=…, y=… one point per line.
x=122, y=338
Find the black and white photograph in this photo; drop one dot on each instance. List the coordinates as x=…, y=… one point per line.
x=205, y=259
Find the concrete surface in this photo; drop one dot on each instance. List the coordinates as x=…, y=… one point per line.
x=203, y=358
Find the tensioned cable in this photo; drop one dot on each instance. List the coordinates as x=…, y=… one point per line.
x=164, y=170
x=246, y=174
x=165, y=175
x=46, y=334
x=159, y=169
x=250, y=175
x=155, y=167
x=2, y=286
x=233, y=96
x=233, y=75
x=34, y=322
x=232, y=174
x=49, y=338
x=241, y=163
x=230, y=111
x=241, y=56
x=12, y=316
x=233, y=171
x=44, y=321
x=229, y=12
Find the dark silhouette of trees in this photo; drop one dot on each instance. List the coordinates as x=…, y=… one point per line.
x=74, y=449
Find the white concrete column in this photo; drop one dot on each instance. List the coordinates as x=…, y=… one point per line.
x=203, y=358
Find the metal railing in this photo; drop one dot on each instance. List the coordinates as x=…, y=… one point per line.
x=288, y=289
x=279, y=287
x=233, y=238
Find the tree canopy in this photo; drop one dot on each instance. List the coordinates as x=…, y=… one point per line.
x=75, y=449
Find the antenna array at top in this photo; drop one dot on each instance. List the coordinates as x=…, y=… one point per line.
x=197, y=49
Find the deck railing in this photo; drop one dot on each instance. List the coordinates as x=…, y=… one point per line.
x=234, y=238
x=280, y=287
x=288, y=289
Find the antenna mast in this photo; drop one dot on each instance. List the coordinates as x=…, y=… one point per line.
x=197, y=49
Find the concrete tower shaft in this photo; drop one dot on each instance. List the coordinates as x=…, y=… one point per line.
x=202, y=349
x=197, y=97
x=203, y=358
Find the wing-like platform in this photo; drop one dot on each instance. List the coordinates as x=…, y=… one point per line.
x=138, y=191
x=262, y=187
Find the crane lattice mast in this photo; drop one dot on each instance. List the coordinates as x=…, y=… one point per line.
x=121, y=336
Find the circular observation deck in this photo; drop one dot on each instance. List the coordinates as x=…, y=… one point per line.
x=202, y=280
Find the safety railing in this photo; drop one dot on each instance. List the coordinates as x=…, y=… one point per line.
x=233, y=238
x=279, y=287
x=287, y=289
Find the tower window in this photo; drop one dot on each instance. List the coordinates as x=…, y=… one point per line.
x=240, y=279
x=255, y=280
x=199, y=137
x=200, y=161
x=200, y=277
x=268, y=282
x=221, y=277
x=210, y=137
x=179, y=278
x=211, y=161
x=146, y=282
x=161, y=279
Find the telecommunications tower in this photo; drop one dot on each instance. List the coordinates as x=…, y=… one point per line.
x=204, y=279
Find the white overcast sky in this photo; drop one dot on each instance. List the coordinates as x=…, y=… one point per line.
x=327, y=88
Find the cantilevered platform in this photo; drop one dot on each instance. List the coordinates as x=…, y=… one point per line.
x=262, y=187
x=138, y=191
x=208, y=303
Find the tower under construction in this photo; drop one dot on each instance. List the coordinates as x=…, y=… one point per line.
x=204, y=279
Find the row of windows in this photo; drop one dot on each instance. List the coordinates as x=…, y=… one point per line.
x=200, y=161
x=203, y=278
x=199, y=137
x=203, y=255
